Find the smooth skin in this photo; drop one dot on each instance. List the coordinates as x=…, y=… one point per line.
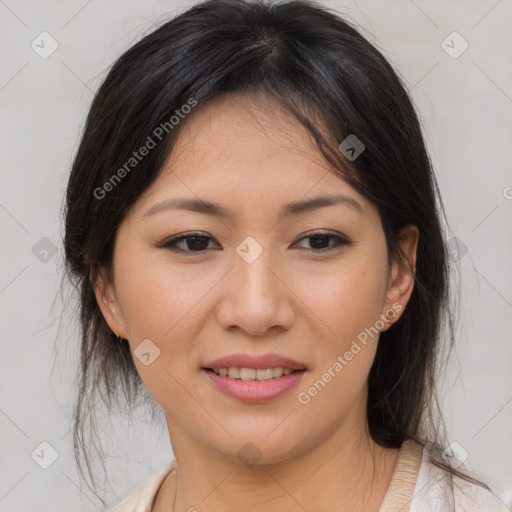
x=251, y=156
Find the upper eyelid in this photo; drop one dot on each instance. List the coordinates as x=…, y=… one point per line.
x=319, y=232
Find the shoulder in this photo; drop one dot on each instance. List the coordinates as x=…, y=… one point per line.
x=141, y=500
x=439, y=490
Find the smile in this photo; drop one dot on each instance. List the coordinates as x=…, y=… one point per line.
x=254, y=385
x=252, y=373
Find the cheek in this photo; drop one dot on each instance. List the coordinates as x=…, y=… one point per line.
x=349, y=304
x=156, y=298
x=166, y=304
x=346, y=299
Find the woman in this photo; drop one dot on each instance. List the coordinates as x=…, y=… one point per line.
x=252, y=226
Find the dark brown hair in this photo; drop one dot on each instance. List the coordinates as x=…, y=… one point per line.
x=335, y=83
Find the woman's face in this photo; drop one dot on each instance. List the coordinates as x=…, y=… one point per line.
x=263, y=284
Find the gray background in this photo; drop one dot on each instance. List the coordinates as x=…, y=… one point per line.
x=466, y=109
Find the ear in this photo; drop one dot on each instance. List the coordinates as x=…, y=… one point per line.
x=106, y=298
x=401, y=278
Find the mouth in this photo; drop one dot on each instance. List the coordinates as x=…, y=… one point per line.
x=253, y=385
x=252, y=374
x=254, y=378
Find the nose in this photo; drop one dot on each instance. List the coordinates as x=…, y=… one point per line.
x=256, y=298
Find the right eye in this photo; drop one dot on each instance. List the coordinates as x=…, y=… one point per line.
x=188, y=243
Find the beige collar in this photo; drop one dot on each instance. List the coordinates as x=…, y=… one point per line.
x=401, y=488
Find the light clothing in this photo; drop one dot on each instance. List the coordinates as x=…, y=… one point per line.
x=416, y=485
x=438, y=490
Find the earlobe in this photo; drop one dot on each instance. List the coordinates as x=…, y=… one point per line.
x=107, y=302
x=401, y=280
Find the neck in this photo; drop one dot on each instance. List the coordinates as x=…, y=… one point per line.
x=347, y=472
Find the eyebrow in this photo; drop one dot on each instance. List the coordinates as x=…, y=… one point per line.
x=215, y=209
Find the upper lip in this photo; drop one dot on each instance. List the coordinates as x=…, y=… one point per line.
x=256, y=361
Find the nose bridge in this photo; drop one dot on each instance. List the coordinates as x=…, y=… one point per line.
x=252, y=271
x=256, y=298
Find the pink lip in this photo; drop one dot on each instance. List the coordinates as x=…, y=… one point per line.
x=255, y=391
x=261, y=361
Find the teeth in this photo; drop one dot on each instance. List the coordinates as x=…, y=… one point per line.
x=252, y=373
x=247, y=373
x=234, y=373
x=264, y=374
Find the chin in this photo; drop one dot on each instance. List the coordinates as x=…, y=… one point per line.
x=260, y=448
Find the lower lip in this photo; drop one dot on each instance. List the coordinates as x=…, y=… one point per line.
x=255, y=391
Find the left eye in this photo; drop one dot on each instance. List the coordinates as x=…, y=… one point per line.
x=318, y=241
x=198, y=243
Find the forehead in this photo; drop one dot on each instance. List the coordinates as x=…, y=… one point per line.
x=248, y=151
x=237, y=127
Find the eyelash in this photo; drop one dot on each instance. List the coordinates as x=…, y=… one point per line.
x=171, y=244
